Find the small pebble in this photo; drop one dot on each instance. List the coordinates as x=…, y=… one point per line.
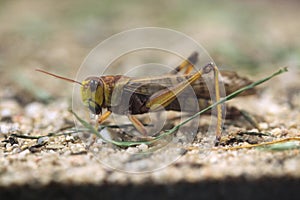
x=78, y=149
x=263, y=126
x=132, y=150
x=143, y=147
x=70, y=138
x=15, y=150
x=22, y=155
x=276, y=132
x=7, y=145
x=42, y=140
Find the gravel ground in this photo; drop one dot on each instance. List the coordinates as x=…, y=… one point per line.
x=67, y=165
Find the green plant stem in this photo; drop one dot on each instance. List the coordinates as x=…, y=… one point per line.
x=227, y=98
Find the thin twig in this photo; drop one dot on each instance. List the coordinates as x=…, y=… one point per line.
x=249, y=146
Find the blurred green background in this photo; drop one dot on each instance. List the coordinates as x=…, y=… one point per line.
x=248, y=36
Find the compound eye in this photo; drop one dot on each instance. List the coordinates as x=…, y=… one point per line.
x=93, y=85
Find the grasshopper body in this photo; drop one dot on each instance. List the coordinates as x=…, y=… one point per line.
x=147, y=94
x=97, y=91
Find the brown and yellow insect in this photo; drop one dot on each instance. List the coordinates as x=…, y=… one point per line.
x=150, y=94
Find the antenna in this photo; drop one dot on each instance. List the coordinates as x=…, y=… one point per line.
x=57, y=76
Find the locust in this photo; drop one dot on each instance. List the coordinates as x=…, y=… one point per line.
x=151, y=94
